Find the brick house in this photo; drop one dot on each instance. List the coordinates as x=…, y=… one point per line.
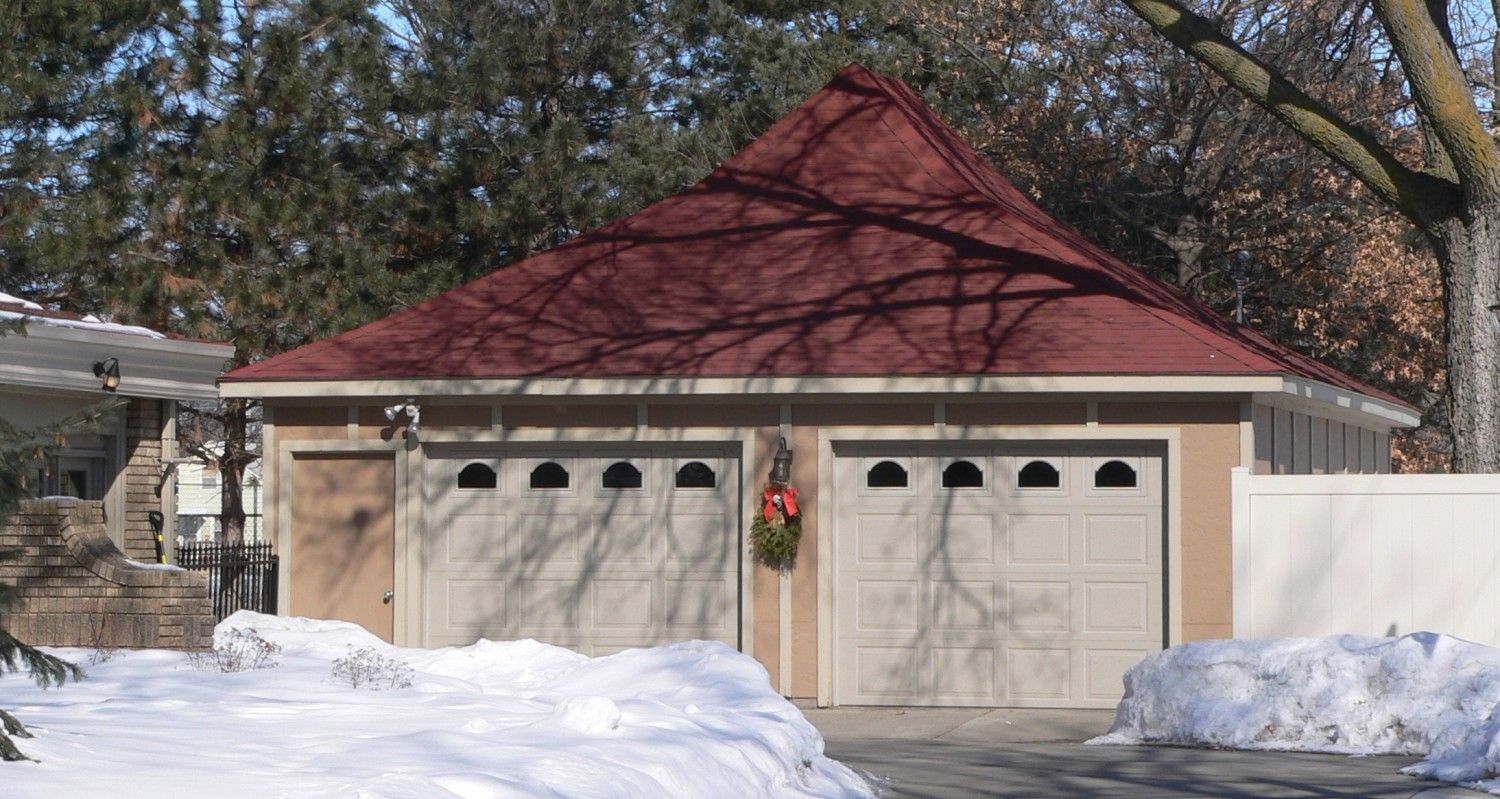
x=60, y=367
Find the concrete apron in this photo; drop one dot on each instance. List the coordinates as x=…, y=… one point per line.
x=959, y=752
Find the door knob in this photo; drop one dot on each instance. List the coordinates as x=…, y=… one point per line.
x=386, y=599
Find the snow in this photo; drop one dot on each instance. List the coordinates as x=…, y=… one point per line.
x=495, y=719
x=1420, y=694
x=86, y=323
x=11, y=299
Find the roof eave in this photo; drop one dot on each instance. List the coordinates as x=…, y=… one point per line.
x=1271, y=389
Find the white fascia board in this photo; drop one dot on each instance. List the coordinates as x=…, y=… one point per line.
x=758, y=386
x=63, y=358
x=1278, y=390
x=1299, y=394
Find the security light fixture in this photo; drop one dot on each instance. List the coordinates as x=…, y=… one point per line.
x=781, y=466
x=413, y=413
x=108, y=370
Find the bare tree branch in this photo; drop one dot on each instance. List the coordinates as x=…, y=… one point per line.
x=1421, y=197
x=1438, y=85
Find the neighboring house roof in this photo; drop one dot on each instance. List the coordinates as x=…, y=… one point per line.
x=59, y=349
x=859, y=236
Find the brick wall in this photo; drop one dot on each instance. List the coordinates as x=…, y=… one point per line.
x=78, y=589
x=143, y=426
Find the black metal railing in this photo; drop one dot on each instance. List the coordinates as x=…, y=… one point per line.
x=240, y=576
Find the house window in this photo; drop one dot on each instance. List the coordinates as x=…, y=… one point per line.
x=1038, y=474
x=886, y=474
x=476, y=475
x=549, y=475
x=1115, y=474
x=622, y=475
x=696, y=474
x=963, y=474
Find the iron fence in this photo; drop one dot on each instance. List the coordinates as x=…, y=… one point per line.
x=240, y=576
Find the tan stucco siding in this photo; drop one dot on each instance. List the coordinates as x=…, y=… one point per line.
x=1291, y=442
x=1210, y=448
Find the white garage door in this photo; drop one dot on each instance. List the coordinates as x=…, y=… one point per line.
x=594, y=549
x=987, y=575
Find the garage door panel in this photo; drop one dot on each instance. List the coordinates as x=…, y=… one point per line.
x=1116, y=539
x=1038, y=538
x=543, y=539
x=622, y=539
x=549, y=603
x=893, y=672
x=1039, y=673
x=964, y=674
x=1044, y=606
x=882, y=538
x=475, y=539
x=1007, y=596
x=887, y=604
x=478, y=604
x=1117, y=607
x=965, y=538
x=700, y=607
x=963, y=605
x=698, y=541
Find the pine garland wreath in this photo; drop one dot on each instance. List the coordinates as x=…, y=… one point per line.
x=775, y=545
x=776, y=528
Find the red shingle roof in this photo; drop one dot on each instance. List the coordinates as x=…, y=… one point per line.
x=858, y=236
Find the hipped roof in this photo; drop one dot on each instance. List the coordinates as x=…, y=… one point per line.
x=858, y=236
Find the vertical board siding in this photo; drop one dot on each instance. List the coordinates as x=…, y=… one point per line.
x=1265, y=446
x=1374, y=554
x=1281, y=434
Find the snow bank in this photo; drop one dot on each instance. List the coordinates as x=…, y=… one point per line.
x=495, y=719
x=1420, y=694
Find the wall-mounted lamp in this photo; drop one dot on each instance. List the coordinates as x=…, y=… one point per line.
x=413, y=413
x=108, y=370
x=781, y=466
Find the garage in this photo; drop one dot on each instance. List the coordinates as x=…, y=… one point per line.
x=596, y=549
x=989, y=575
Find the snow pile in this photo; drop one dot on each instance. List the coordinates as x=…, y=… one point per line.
x=495, y=719
x=1424, y=694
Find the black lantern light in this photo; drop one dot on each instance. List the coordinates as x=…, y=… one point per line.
x=781, y=466
x=109, y=371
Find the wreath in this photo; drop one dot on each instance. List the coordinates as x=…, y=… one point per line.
x=777, y=529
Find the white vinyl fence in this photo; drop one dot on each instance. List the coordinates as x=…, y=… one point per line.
x=1372, y=554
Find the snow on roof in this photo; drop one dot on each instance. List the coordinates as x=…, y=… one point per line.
x=13, y=308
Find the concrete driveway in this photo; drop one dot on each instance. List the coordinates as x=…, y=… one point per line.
x=932, y=753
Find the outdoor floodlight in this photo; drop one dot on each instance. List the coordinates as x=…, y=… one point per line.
x=109, y=372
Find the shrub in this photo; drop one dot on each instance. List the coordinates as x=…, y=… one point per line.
x=235, y=651
x=367, y=668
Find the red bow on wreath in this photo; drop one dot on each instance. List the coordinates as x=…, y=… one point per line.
x=783, y=501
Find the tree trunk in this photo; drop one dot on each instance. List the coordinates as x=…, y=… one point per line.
x=232, y=462
x=1469, y=254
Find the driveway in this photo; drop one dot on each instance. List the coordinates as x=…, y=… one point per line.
x=932, y=753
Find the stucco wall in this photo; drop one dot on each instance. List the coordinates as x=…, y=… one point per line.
x=1209, y=433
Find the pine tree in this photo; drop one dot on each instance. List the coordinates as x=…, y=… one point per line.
x=23, y=453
